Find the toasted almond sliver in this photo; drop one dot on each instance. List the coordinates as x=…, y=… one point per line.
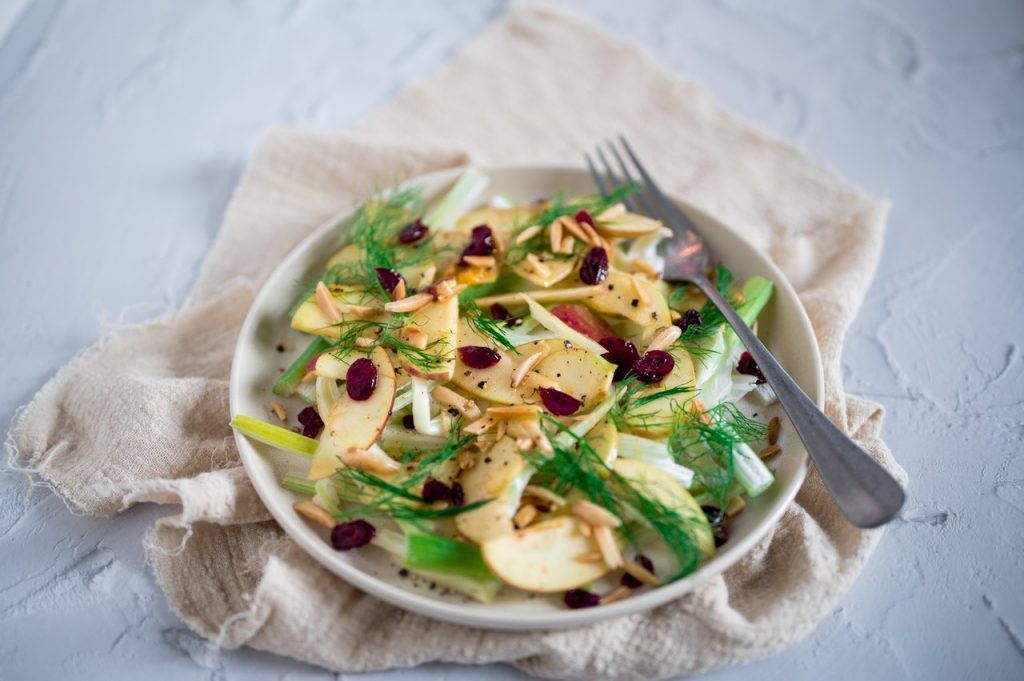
x=317, y=514
x=465, y=459
x=589, y=557
x=540, y=440
x=539, y=267
x=499, y=243
x=515, y=412
x=523, y=444
x=664, y=338
x=640, y=572
x=325, y=301
x=481, y=425
x=735, y=505
x=535, y=380
x=573, y=227
x=361, y=311
x=501, y=429
x=414, y=337
x=427, y=278
x=773, y=430
x=590, y=236
x=399, y=291
x=645, y=268
x=566, y=245
x=611, y=212
x=640, y=290
x=525, y=515
x=555, y=235
x=524, y=367
x=586, y=530
x=595, y=515
x=528, y=233
x=410, y=304
x=480, y=260
x=543, y=494
x=364, y=342
x=609, y=549
x=465, y=406
x=369, y=461
x=618, y=594
x=279, y=411
x=770, y=450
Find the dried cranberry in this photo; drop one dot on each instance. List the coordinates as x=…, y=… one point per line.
x=717, y=520
x=654, y=366
x=690, y=318
x=458, y=496
x=713, y=514
x=435, y=490
x=584, y=216
x=412, y=232
x=621, y=353
x=749, y=367
x=558, y=403
x=408, y=421
x=500, y=312
x=721, y=534
x=631, y=581
x=361, y=379
x=478, y=356
x=389, y=279
x=594, y=268
x=311, y=422
x=352, y=535
x=581, y=598
x=481, y=241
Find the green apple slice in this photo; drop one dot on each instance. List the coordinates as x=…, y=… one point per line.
x=355, y=424
x=542, y=558
x=579, y=373
x=439, y=321
x=499, y=474
x=554, y=272
x=617, y=296
x=494, y=383
x=309, y=318
x=660, y=412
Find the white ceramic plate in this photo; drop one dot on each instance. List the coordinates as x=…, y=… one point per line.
x=783, y=326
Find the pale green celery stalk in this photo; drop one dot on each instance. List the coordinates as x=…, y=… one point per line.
x=750, y=471
x=463, y=196
x=401, y=438
x=403, y=398
x=327, y=493
x=292, y=377
x=275, y=436
x=297, y=482
x=307, y=391
x=560, y=328
x=454, y=564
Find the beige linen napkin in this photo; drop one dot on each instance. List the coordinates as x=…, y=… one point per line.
x=143, y=415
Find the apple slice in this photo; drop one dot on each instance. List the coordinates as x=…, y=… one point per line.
x=499, y=474
x=579, y=373
x=554, y=271
x=355, y=424
x=604, y=438
x=660, y=412
x=494, y=383
x=310, y=319
x=582, y=319
x=658, y=485
x=542, y=557
x=617, y=295
x=628, y=226
x=439, y=321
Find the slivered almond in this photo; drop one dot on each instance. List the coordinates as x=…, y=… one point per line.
x=618, y=594
x=567, y=243
x=515, y=412
x=640, y=572
x=524, y=367
x=609, y=549
x=524, y=443
x=364, y=342
x=427, y=277
x=361, y=311
x=770, y=450
x=573, y=227
x=410, y=304
x=591, y=236
x=535, y=380
x=611, y=212
x=773, y=430
x=543, y=494
x=525, y=515
x=501, y=429
x=480, y=260
x=664, y=338
x=528, y=234
x=539, y=267
x=414, y=337
x=540, y=440
x=586, y=530
x=735, y=505
x=369, y=461
x=465, y=406
x=499, y=244
x=640, y=290
x=481, y=425
x=279, y=410
x=465, y=459
x=325, y=301
x=310, y=511
x=589, y=557
x=595, y=515
x=645, y=268
x=399, y=291
x=555, y=235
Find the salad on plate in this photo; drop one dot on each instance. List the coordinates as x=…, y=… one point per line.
x=507, y=396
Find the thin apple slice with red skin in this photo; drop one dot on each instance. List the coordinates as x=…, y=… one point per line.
x=582, y=319
x=355, y=424
x=439, y=321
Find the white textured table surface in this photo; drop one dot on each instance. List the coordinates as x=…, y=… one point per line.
x=124, y=127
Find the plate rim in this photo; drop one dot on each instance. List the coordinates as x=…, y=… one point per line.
x=312, y=544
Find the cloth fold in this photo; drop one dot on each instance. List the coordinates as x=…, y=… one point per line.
x=142, y=417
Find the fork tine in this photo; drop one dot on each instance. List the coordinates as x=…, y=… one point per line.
x=641, y=196
x=598, y=180
x=610, y=172
x=666, y=207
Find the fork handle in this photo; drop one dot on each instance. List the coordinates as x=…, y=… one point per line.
x=865, y=492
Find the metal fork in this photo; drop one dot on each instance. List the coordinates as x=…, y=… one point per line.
x=864, y=491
